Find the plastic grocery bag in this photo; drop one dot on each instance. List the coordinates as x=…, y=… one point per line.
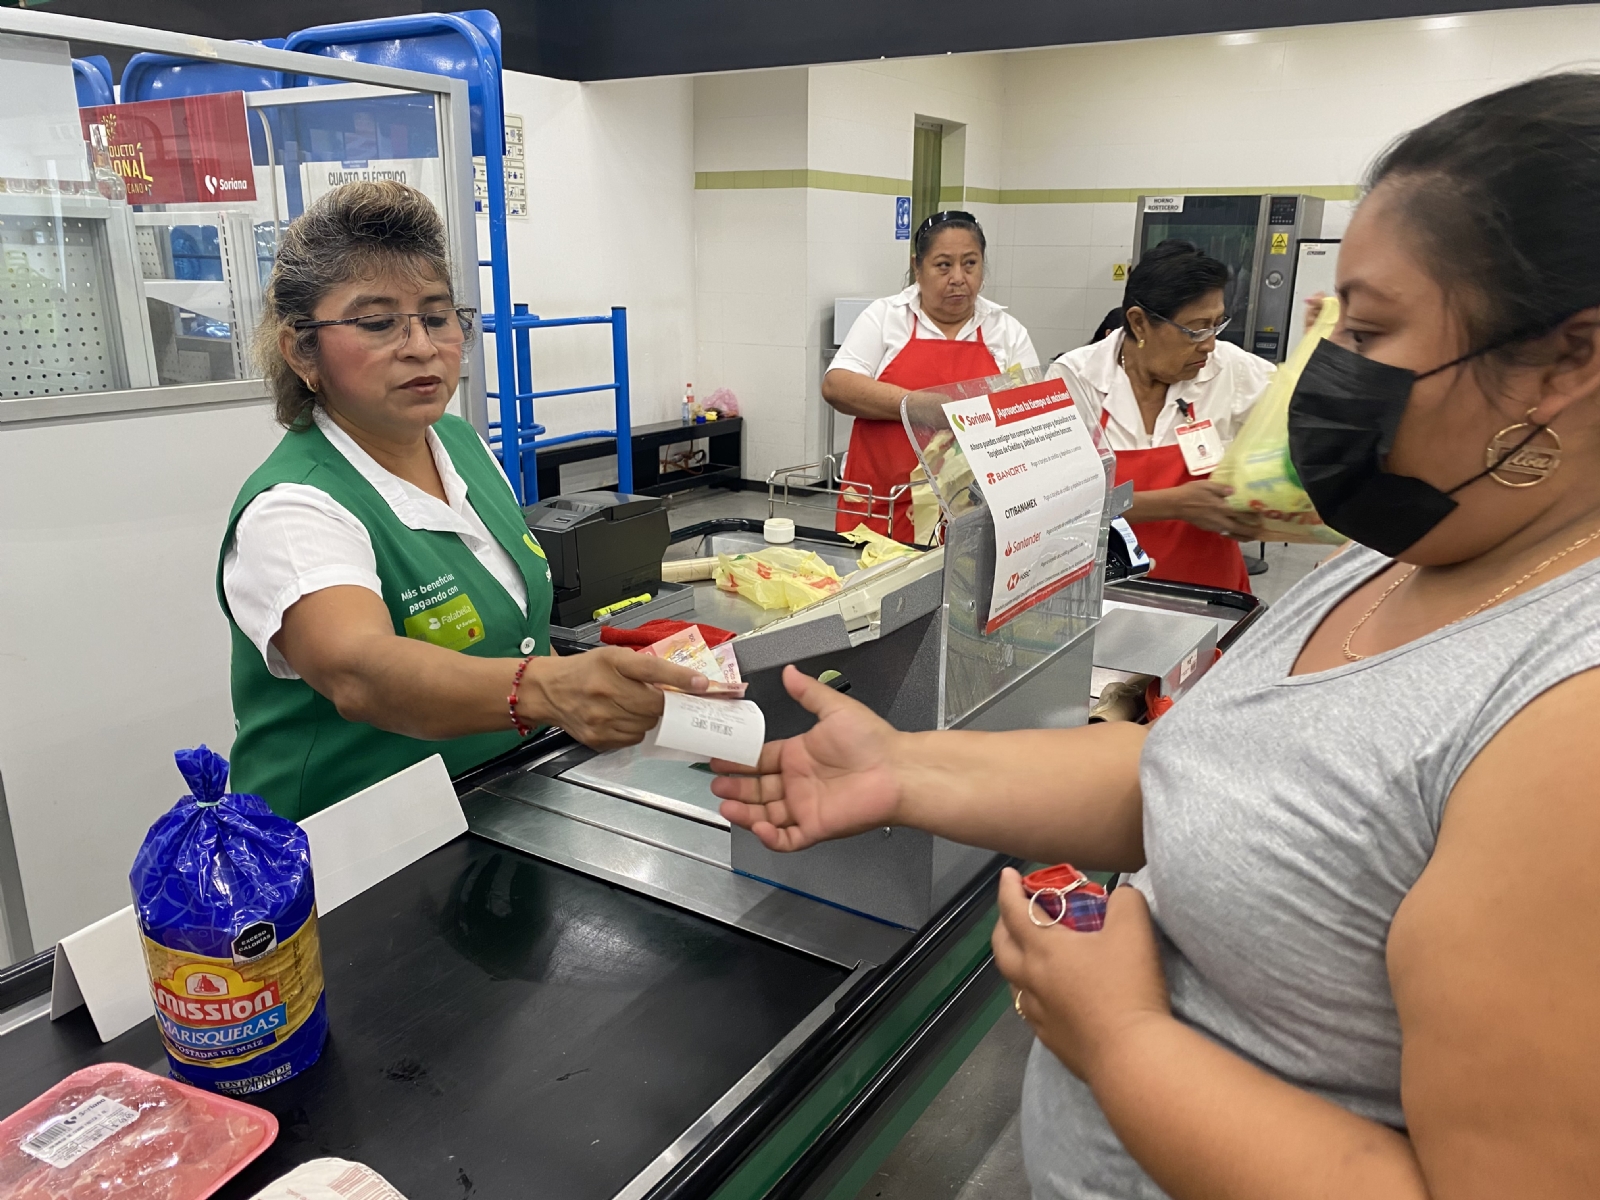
x=1257, y=466
x=223, y=892
x=777, y=577
x=875, y=548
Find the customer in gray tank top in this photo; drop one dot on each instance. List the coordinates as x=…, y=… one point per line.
x=1361, y=952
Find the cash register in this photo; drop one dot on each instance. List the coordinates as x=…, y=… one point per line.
x=603, y=548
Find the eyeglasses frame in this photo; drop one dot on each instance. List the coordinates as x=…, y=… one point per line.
x=467, y=317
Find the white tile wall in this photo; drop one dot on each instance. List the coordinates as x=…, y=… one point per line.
x=752, y=121
x=1268, y=109
x=1281, y=108
x=611, y=189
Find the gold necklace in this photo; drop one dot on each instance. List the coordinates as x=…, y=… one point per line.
x=1352, y=656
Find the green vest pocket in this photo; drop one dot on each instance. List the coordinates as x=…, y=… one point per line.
x=452, y=623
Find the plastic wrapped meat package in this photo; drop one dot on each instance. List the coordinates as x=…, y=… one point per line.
x=112, y=1130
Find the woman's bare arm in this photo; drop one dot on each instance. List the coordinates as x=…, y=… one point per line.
x=1051, y=795
x=341, y=641
x=1495, y=962
x=858, y=395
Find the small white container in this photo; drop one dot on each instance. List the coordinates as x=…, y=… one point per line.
x=778, y=530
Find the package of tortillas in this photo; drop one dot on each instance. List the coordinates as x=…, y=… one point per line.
x=223, y=892
x=330, y=1179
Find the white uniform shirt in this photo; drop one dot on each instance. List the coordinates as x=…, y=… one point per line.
x=884, y=327
x=1224, y=391
x=293, y=540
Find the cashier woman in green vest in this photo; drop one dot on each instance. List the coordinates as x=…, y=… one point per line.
x=387, y=601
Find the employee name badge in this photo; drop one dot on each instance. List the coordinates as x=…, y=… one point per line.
x=1202, y=448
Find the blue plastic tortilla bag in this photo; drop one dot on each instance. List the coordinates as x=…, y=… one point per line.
x=223, y=892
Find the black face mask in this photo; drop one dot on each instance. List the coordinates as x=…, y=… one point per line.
x=1342, y=421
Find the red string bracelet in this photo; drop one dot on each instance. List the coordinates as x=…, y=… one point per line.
x=511, y=700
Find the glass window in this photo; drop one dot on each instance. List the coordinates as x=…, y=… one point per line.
x=136, y=239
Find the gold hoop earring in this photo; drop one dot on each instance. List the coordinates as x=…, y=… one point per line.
x=310, y=387
x=1511, y=451
x=1141, y=343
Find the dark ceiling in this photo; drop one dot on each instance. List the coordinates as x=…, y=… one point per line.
x=613, y=39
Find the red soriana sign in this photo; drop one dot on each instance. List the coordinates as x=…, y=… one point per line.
x=192, y=150
x=1034, y=400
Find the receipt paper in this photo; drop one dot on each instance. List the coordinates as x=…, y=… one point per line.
x=699, y=728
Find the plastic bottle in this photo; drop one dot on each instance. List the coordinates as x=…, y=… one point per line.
x=688, y=403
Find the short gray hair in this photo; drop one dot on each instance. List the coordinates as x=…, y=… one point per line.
x=352, y=232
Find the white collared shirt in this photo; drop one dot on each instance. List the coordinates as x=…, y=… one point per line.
x=294, y=539
x=1224, y=391
x=884, y=327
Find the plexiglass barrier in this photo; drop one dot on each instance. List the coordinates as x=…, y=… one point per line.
x=982, y=661
x=136, y=239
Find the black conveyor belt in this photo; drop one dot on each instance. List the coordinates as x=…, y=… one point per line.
x=523, y=1030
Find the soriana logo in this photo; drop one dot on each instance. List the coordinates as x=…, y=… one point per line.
x=189, y=150
x=1025, y=403
x=205, y=994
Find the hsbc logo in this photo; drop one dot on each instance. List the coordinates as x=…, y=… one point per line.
x=1011, y=584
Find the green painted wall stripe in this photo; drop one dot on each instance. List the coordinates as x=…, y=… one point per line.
x=1338, y=191
x=883, y=185
x=827, y=181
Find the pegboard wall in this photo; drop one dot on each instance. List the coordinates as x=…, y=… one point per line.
x=56, y=311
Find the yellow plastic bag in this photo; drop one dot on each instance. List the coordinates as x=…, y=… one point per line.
x=1257, y=466
x=777, y=577
x=875, y=548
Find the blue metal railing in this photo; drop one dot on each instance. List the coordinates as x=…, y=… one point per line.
x=518, y=453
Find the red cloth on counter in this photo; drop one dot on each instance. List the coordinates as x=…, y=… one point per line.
x=652, y=632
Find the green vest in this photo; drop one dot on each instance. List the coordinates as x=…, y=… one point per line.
x=292, y=747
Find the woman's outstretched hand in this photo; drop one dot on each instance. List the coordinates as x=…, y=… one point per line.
x=838, y=778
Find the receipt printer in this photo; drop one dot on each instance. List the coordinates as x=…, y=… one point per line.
x=602, y=546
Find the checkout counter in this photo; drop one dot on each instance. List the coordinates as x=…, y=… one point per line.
x=604, y=991
x=600, y=991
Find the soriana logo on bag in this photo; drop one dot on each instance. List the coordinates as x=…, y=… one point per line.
x=192, y=150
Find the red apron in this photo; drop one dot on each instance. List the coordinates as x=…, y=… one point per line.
x=1183, y=553
x=881, y=456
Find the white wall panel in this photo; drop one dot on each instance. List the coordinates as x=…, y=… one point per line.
x=611, y=198
x=113, y=649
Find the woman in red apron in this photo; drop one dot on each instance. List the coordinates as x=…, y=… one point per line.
x=1171, y=397
x=939, y=330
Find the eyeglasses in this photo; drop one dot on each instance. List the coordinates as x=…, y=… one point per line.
x=384, y=331
x=939, y=218
x=1194, y=335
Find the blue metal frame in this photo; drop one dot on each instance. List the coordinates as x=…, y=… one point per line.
x=166, y=76
x=519, y=403
x=92, y=76
x=433, y=42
